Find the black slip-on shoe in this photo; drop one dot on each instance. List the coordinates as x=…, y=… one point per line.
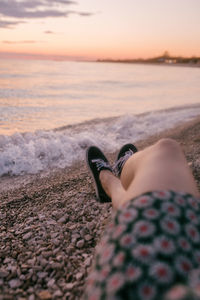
x=125, y=152
x=97, y=162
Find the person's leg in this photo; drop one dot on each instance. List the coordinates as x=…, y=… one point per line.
x=159, y=167
x=113, y=187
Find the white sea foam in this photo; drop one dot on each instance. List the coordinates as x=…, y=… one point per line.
x=30, y=153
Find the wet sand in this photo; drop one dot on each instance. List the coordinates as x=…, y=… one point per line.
x=50, y=224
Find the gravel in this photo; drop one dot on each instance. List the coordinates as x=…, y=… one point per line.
x=48, y=232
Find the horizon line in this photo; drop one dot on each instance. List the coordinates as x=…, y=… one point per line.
x=59, y=57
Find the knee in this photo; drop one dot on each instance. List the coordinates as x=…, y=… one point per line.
x=168, y=145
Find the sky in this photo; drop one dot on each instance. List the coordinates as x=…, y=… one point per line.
x=92, y=29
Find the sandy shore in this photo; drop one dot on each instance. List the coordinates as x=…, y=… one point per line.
x=50, y=224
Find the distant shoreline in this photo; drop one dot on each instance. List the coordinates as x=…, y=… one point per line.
x=164, y=60
x=189, y=65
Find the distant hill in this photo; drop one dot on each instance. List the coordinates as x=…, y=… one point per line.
x=164, y=59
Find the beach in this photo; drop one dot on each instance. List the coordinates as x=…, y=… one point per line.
x=51, y=223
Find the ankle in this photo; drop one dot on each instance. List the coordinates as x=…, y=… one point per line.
x=104, y=175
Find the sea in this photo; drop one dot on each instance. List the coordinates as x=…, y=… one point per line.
x=51, y=111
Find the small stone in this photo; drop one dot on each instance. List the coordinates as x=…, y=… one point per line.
x=22, y=277
x=87, y=262
x=56, y=242
x=41, y=217
x=80, y=244
x=69, y=286
x=51, y=283
x=56, y=266
x=7, y=260
x=3, y=273
x=90, y=225
x=27, y=236
x=63, y=219
x=88, y=237
x=57, y=293
x=42, y=275
x=44, y=295
x=79, y=276
x=14, y=283
x=31, y=261
x=47, y=254
x=43, y=262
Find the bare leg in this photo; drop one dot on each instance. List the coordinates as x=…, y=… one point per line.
x=113, y=187
x=159, y=167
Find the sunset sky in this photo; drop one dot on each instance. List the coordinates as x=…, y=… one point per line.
x=90, y=29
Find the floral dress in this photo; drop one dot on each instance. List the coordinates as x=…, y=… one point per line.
x=150, y=251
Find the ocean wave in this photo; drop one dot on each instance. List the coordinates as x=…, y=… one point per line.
x=30, y=153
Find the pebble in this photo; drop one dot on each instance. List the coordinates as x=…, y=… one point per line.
x=80, y=244
x=88, y=237
x=79, y=276
x=87, y=262
x=3, y=273
x=56, y=242
x=69, y=286
x=57, y=293
x=63, y=219
x=42, y=275
x=51, y=283
x=27, y=236
x=44, y=295
x=43, y=262
x=14, y=283
x=47, y=254
x=91, y=225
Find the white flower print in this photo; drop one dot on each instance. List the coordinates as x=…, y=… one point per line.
x=184, y=244
x=127, y=240
x=192, y=217
x=192, y=233
x=107, y=253
x=147, y=291
x=94, y=294
x=162, y=195
x=104, y=272
x=133, y=273
x=118, y=230
x=119, y=259
x=151, y=213
x=143, y=229
x=177, y=292
x=183, y=265
x=170, y=209
x=143, y=201
x=170, y=226
x=162, y=272
x=178, y=199
x=193, y=203
x=194, y=278
x=197, y=256
x=164, y=245
x=143, y=253
x=127, y=216
x=115, y=282
x=93, y=276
